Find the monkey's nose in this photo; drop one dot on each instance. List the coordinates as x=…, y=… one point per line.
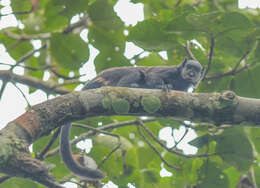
x=191, y=74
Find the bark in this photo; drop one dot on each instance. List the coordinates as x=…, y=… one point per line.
x=217, y=108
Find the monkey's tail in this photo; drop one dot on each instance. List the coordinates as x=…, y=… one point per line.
x=73, y=166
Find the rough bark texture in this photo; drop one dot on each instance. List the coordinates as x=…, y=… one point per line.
x=217, y=108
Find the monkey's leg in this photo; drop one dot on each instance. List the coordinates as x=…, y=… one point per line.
x=155, y=82
x=132, y=79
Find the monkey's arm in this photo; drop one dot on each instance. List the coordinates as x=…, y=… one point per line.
x=162, y=78
x=73, y=166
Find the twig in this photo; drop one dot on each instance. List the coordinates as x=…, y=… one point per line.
x=178, y=3
x=17, y=13
x=240, y=60
x=211, y=53
x=155, y=150
x=31, y=82
x=82, y=22
x=25, y=36
x=171, y=150
x=103, y=132
x=26, y=56
x=3, y=88
x=183, y=136
x=229, y=73
x=13, y=45
x=110, y=153
x=252, y=175
x=25, y=98
x=92, y=133
x=65, y=77
x=48, y=146
x=187, y=48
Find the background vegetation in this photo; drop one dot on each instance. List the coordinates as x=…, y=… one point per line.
x=222, y=37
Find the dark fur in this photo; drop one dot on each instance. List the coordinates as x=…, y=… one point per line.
x=157, y=77
x=187, y=74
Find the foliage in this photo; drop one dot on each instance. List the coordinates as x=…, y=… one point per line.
x=222, y=37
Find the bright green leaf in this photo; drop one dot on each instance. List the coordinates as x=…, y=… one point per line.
x=69, y=50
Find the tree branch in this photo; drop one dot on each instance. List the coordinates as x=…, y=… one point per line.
x=224, y=108
x=8, y=76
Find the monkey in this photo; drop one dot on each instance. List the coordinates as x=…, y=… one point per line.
x=186, y=75
x=182, y=77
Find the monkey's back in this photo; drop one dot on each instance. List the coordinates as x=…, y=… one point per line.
x=111, y=77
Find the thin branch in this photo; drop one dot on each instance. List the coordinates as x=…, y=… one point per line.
x=110, y=153
x=92, y=133
x=155, y=150
x=65, y=77
x=252, y=175
x=25, y=98
x=171, y=150
x=95, y=130
x=8, y=76
x=187, y=48
x=3, y=88
x=81, y=23
x=240, y=60
x=183, y=136
x=42, y=68
x=48, y=146
x=27, y=56
x=229, y=73
x=13, y=45
x=211, y=53
x=25, y=36
x=177, y=4
x=103, y=132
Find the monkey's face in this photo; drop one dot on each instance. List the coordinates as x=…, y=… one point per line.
x=192, y=71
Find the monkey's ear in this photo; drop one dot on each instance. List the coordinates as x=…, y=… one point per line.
x=184, y=61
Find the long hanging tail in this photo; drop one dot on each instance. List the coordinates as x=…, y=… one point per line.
x=73, y=166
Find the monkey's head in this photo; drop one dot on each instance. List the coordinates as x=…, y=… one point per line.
x=191, y=71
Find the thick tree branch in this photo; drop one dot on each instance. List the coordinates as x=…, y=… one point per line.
x=15, y=138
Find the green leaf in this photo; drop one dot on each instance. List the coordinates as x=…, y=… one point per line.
x=233, y=176
x=107, y=40
x=107, y=60
x=257, y=174
x=17, y=50
x=103, y=15
x=71, y=8
x=33, y=62
x=69, y=50
x=201, y=140
x=257, y=51
x=150, y=35
x=235, y=149
x=255, y=138
x=152, y=60
x=211, y=176
x=54, y=11
x=19, y=182
x=21, y=6
x=241, y=86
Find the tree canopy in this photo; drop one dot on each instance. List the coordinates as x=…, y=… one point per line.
x=222, y=37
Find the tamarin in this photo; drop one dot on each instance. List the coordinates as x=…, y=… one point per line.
x=182, y=77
